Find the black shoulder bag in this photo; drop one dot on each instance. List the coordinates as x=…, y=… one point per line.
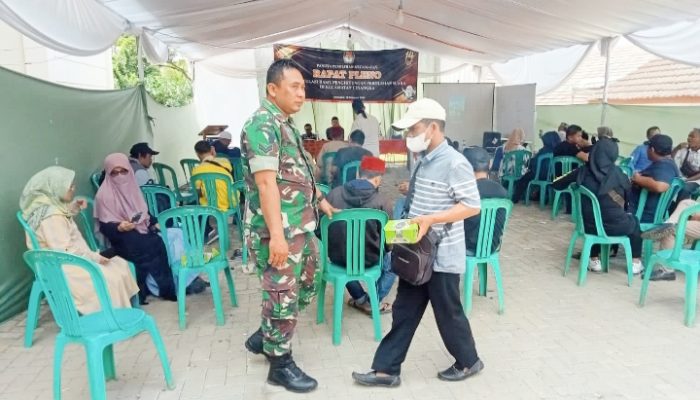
x=414, y=262
x=686, y=169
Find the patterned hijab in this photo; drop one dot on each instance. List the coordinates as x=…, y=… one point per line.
x=42, y=197
x=119, y=197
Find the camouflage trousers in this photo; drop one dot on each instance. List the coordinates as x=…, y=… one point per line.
x=285, y=291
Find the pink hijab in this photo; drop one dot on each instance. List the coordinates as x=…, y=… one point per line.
x=119, y=197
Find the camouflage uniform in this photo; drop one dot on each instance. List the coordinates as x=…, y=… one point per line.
x=270, y=141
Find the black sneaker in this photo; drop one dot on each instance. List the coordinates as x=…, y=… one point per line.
x=663, y=274
x=659, y=232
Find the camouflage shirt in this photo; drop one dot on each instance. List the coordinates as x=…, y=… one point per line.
x=271, y=142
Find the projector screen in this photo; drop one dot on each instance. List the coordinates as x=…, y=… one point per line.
x=469, y=109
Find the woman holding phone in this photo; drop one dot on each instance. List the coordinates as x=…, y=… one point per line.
x=124, y=220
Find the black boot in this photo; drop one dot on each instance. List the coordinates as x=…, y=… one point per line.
x=254, y=344
x=284, y=372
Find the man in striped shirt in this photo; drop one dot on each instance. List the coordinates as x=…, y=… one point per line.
x=445, y=194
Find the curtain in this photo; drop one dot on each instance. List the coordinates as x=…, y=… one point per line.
x=75, y=27
x=548, y=70
x=678, y=42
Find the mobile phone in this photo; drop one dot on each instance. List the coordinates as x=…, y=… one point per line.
x=136, y=218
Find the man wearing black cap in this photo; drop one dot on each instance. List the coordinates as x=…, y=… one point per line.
x=141, y=159
x=657, y=177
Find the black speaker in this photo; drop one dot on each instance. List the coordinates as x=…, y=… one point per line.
x=491, y=141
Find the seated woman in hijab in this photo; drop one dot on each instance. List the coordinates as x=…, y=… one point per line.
x=48, y=207
x=123, y=218
x=550, y=140
x=611, y=187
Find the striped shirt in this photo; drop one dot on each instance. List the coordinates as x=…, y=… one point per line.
x=445, y=178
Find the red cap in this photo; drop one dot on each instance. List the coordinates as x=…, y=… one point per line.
x=373, y=164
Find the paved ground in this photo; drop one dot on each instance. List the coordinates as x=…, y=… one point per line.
x=555, y=341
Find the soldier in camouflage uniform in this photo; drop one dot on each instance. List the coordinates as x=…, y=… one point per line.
x=280, y=220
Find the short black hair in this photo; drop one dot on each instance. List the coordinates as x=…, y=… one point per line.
x=276, y=70
x=305, y=125
x=652, y=129
x=202, y=147
x=358, y=137
x=334, y=119
x=572, y=130
x=478, y=157
x=440, y=123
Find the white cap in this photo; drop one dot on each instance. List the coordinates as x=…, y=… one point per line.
x=421, y=109
x=225, y=135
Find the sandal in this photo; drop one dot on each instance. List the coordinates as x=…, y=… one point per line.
x=353, y=303
x=385, y=308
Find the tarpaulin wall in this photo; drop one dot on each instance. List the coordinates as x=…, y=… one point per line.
x=43, y=124
x=629, y=123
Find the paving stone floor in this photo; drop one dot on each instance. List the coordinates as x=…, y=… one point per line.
x=555, y=341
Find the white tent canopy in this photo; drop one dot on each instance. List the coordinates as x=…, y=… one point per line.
x=482, y=32
x=525, y=41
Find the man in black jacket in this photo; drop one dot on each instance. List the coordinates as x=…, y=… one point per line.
x=362, y=193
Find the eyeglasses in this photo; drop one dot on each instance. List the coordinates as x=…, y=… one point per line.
x=116, y=172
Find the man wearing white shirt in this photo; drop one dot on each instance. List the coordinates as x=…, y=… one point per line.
x=368, y=124
x=687, y=158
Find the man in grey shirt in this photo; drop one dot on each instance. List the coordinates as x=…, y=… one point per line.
x=445, y=194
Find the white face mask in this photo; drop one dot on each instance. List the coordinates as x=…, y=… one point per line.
x=418, y=143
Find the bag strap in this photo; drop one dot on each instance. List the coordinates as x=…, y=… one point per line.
x=218, y=165
x=411, y=190
x=409, y=200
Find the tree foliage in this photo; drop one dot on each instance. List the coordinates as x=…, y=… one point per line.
x=169, y=84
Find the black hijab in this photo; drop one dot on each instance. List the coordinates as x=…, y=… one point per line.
x=602, y=169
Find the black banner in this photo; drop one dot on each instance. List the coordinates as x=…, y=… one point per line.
x=373, y=76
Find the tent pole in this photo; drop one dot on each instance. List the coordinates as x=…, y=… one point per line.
x=140, y=57
x=605, y=47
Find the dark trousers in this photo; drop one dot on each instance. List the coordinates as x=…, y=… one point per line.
x=630, y=229
x=443, y=293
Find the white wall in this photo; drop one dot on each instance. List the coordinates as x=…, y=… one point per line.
x=221, y=100
x=23, y=55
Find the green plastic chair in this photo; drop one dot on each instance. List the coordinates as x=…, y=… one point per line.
x=188, y=165
x=566, y=164
x=627, y=170
x=623, y=161
x=541, y=184
x=95, y=179
x=325, y=189
x=237, y=165
x=350, y=171
x=518, y=159
x=684, y=260
x=97, y=331
x=485, y=255
x=660, y=214
x=151, y=193
x=354, y=269
x=167, y=177
x=589, y=240
x=36, y=293
x=193, y=220
x=207, y=181
x=327, y=164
